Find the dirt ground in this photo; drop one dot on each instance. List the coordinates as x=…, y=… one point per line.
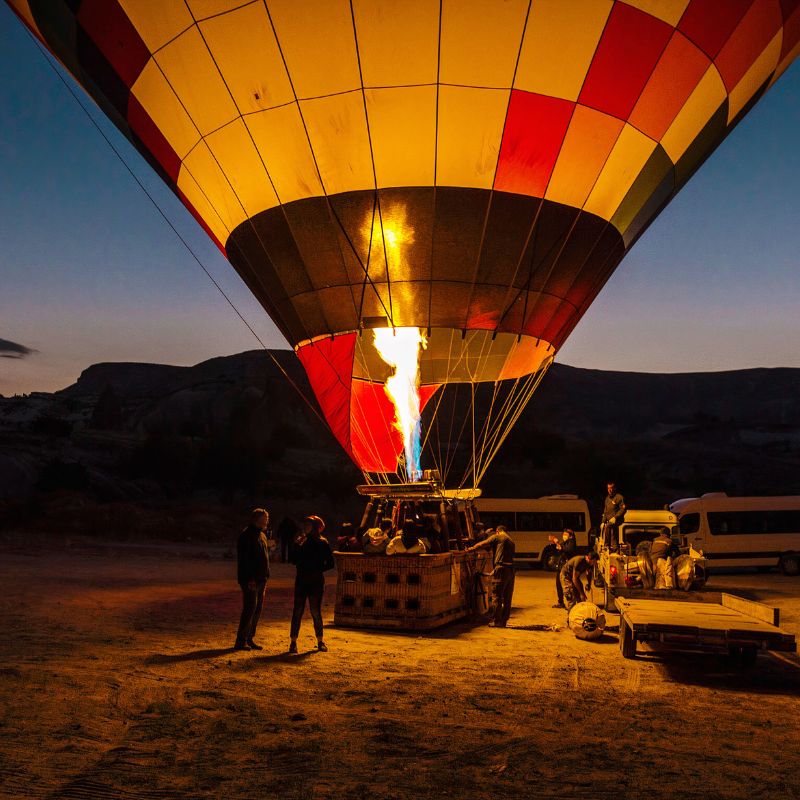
x=117, y=681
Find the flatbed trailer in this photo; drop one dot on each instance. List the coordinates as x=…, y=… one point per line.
x=708, y=622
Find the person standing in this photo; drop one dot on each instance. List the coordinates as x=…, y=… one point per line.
x=252, y=572
x=312, y=556
x=503, y=575
x=613, y=514
x=567, y=548
x=570, y=576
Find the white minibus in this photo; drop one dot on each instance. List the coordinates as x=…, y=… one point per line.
x=530, y=522
x=743, y=531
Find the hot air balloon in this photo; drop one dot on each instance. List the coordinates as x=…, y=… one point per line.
x=470, y=170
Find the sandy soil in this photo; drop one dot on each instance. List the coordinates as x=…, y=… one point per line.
x=116, y=681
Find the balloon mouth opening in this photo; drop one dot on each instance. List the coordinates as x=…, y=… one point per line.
x=400, y=349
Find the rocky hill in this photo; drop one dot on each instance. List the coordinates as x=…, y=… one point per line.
x=233, y=431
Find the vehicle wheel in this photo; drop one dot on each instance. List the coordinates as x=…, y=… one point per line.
x=550, y=558
x=599, y=581
x=790, y=563
x=749, y=656
x=627, y=644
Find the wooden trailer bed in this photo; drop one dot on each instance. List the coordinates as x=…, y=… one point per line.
x=722, y=623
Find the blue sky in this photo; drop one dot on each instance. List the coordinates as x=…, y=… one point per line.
x=90, y=272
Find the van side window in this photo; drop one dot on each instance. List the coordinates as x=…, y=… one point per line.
x=548, y=521
x=491, y=519
x=690, y=523
x=752, y=522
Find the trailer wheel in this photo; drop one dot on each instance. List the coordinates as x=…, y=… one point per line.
x=627, y=644
x=790, y=563
x=749, y=656
x=743, y=657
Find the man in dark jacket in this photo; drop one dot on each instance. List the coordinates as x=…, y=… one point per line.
x=252, y=556
x=312, y=556
x=613, y=514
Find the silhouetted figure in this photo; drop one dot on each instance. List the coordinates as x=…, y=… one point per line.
x=312, y=556
x=252, y=557
x=613, y=514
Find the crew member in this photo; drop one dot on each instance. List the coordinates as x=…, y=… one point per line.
x=503, y=574
x=567, y=548
x=252, y=561
x=613, y=514
x=662, y=546
x=571, y=573
x=406, y=542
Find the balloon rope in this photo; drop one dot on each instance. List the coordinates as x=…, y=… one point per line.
x=166, y=219
x=521, y=402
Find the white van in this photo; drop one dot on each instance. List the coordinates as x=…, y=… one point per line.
x=743, y=531
x=530, y=522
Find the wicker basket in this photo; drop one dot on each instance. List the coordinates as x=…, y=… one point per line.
x=404, y=592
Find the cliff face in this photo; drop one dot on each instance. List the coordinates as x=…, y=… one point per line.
x=233, y=430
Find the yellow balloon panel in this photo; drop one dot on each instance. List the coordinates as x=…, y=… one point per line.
x=235, y=153
x=397, y=42
x=165, y=109
x=477, y=42
x=282, y=142
x=318, y=43
x=206, y=171
x=157, y=29
x=670, y=11
x=402, y=127
x=589, y=139
x=211, y=8
x=202, y=205
x=696, y=112
x=470, y=131
x=244, y=46
x=560, y=41
x=625, y=162
x=337, y=130
x=191, y=73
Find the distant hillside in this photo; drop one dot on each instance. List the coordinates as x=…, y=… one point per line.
x=232, y=430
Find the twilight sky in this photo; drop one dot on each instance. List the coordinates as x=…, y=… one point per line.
x=90, y=272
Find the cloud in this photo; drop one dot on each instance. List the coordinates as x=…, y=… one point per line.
x=14, y=350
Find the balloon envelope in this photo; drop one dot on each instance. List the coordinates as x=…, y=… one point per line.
x=470, y=167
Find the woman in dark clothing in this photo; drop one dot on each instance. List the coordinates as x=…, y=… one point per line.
x=312, y=556
x=567, y=548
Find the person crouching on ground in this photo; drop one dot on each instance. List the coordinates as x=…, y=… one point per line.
x=312, y=556
x=570, y=575
x=566, y=550
x=503, y=575
x=252, y=561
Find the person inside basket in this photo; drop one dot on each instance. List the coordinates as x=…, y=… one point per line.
x=407, y=543
x=375, y=541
